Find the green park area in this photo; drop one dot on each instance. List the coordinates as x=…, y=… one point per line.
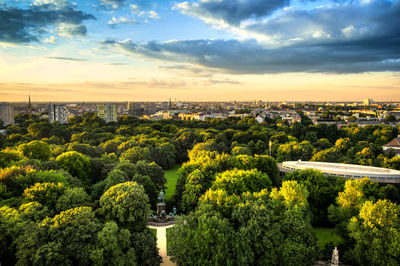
x=326, y=235
x=171, y=175
x=153, y=231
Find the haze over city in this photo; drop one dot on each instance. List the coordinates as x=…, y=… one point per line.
x=122, y=50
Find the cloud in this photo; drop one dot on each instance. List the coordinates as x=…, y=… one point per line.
x=250, y=57
x=320, y=22
x=222, y=81
x=29, y=25
x=230, y=11
x=70, y=30
x=190, y=70
x=51, y=40
x=134, y=8
x=117, y=4
x=113, y=4
x=349, y=20
x=348, y=36
x=118, y=64
x=66, y=58
x=121, y=20
x=55, y=4
x=152, y=14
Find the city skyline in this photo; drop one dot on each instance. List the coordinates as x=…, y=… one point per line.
x=125, y=50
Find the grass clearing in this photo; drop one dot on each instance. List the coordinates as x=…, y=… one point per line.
x=153, y=231
x=168, y=238
x=171, y=175
x=326, y=235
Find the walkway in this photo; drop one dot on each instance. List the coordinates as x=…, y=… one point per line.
x=162, y=244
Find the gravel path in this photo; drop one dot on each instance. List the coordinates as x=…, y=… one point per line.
x=162, y=244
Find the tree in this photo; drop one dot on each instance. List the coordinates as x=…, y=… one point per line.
x=9, y=223
x=36, y=150
x=294, y=151
x=323, y=191
x=113, y=246
x=154, y=171
x=39, y=130
x=75, y=163
x=127, y=204
x=85, y=149
x=145, y=245
x=377, y=233
x=332, y=155
x=136, y=154
x=240, y=181
x=113, y=178
x=45, y=193
x=292, y=193
x=193, y=190
x=69, y=239
x=260, y=147
x=9, y=157
x=390, y=118
x=353, y=195
x=343, y=144
x=72, y=198
x=238, y=150
x=202, y=239
x=148, y=186
x=164, y=155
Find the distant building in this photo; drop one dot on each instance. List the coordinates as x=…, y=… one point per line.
x=29, y=107
x=393, y=145
x=7, y=113
x=135, y=109
x=368, y=101
x=58, y=113
x=349, y=171
x=108, y=112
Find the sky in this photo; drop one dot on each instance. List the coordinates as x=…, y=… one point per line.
x=200, y=50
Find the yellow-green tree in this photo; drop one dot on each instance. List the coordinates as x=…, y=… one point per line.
x=377, y=233
x=292, y=193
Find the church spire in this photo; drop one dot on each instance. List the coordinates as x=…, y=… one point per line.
x=29, y=104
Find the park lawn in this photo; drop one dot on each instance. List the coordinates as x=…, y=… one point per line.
x=326, y=235
x=153, y=231
x=171, y=175
x=168, y=239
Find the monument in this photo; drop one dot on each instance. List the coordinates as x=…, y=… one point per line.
x=335, y=257
x=161, y=218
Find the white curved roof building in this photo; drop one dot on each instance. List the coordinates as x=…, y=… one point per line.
x=381, y=175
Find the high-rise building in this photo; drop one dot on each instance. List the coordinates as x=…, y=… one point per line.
x=107, y=111
x=59, y=113
x=7, y=113
x=135, y=109
x=368, y=101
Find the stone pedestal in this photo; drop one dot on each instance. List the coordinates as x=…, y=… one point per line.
x=160, y=208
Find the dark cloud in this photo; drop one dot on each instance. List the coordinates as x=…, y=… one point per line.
x=333, y=23
x=66, y=58
x=231, y=11
x=250, y=57
x=72, y=30
x=28, y=25
x=349, y=36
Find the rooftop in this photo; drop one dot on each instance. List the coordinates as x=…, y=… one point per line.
x=379, y=174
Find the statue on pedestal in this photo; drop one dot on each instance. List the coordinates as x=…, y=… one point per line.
x=161, y=215
x=335, y=257
x=161, y=196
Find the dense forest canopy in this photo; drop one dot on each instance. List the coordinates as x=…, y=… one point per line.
x=81, y=193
